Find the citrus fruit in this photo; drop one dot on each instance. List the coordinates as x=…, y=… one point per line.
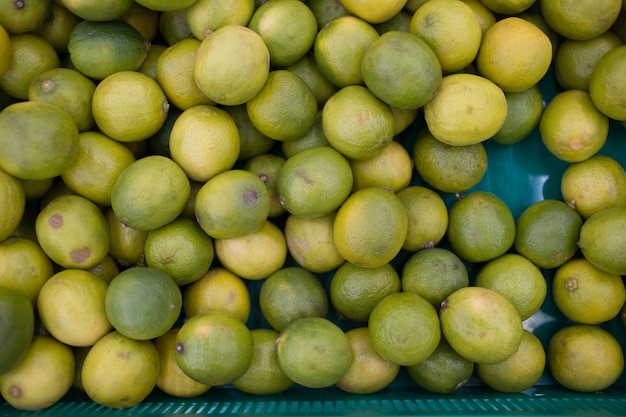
x=520, y=371
x=19, y=17
x=307, y=69
x=6, y=50
x=17, y=328
x=593, y=184
x=145, y=20
x=586, y=294
x=524, y=110
x=206, y=16
x=71, y=307
x=107, y=269
x=266, y=166
x=547, y=232
x=287, y=27
x=126, y=242
x=404, y=328
x=204, y=141
x=39, y=140
x=57, y=27
x=284, y=108
x=73, y=232
x=120, y=372
x=143, y=302
x=314, y=137
x=401, y=69
x=14, y=199
x=42, y=377
x=256, y=255
x=606, y=85
x=580, y=20
x=164, y=5
x=251, y=141
x=452, y=31
x=218, y=290
x=448, y=168
x=602, y=240
x=370, y=227
x=443, y=372
x=357, y=123
x=174, y=26
x=466, y=109
x=129, y=106
x=374, y=11
x=31, y=56
x=313, y=352
x=339, y=48
x=172, y=380
x=571, y=127
x=99, y=49
x=181, y=249
x=427, y=215
x=481, y=227
x=291, y=293
x=326, y=10
x=486, y=17
x=584, y=358
x=150, y=192
x=354, y=290
x=232, y=78
x=97, y=11
x=68, y=89
x=314, y=182
x=399, y=22
x=369, y=372
x=99, y=163
x=232, y=204
x=517, y=279
x=214, y=348
x=508, y=7
x=263, y=377
x=575, y=60
x=515, y=54
x=434, y=273
x=392, y=168
x=24, y=266
x=174, y=72
x=480, y=324
x=311, y=243
x=149, y=65
x=403, y=118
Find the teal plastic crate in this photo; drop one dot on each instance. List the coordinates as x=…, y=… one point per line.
x=520, y=174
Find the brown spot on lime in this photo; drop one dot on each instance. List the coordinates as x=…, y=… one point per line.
x=180, y=348
x=250, y=196
x=15, y=392
x=124, y=354
x=264, y=177
x=56, y=221
x=80, y=255
x=308, y=180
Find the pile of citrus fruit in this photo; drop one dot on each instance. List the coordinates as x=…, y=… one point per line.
x=261, y=194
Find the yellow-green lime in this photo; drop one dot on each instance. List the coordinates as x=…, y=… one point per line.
x=206, y=16
x=107, y=269
x=311, y=243
x=150, y=192
x=266, y=166
x=481, y=324
x=164, y=5
x=126, y=242
x=374, y=11
x=6, y=50
x=392, y=168
x=446, y=167
x=354, y=290
x=57, y=27
x=232, y=204
x=602, y=240
x=291, y=293
x=520, y=371
x=606, y=83
x=326, y=10
x=587, y=294
x=263, y=377
x=443, y=372
x=486, y=17
x=401, y=69
x=214, y=348
x=314, y=137
x=524, y=110
x=21, y=18
x=584, y=358
x=307, y=69
x=14, y=198
x=481, y=227
x=547, y=233
x=369, y=372
x=517, y=279
x=428, y=217
x=400, y=22
x=314, y=182
x=580, y=20
x=357, y=123
x=181, y=249
x=508, y=7
x=145, y=20
x=17, y=327
x=230, y=78
x=285, y=108
x=39, y=140
x=174, y=26
x=434, y=274
x=313, y=352
x=251, y=141
x=97, y=11
x=42, y=378
x=99, y=49
x=405, y=328
x=120, y=372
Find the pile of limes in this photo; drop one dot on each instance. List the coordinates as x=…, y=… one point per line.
x=258, y=194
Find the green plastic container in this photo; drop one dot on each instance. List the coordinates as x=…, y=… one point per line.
x=520, y=174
